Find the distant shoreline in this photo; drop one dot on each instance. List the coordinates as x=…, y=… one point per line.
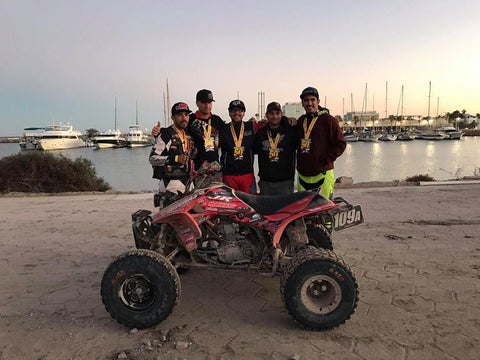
x=9, y=139
x=473, y=180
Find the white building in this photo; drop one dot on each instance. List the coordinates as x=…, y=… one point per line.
x=361, y=116
x=293, y=110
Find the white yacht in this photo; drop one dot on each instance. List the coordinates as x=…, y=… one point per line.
x=109, y=139
x=388, y=137
x=368, y=136
x=435, y=135
x=136, y=137
x=350, y=137
x=451, y=132
x=53, y=137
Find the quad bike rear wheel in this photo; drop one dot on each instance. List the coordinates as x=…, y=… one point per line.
x=140, y=288
x=318, y=289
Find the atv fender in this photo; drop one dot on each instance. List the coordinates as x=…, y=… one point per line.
x=278, y=234
x=185, y=226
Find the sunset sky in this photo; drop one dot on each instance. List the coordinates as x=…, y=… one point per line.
x=65, y=61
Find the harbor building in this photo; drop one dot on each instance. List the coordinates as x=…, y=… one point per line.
x=293, y=110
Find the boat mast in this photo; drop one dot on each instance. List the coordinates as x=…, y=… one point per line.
x=325, y=100
x=115, y=128
x=364, y=106
x=352, y=107
x=401, y=113
x=429, y=96
x=343, y=109
x=386, y=100
x=168, y=98
x=136, y=112
x=438, y=101
x=165, y=111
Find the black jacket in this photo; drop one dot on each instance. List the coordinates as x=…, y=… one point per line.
x=195, y=128
x=167, y=145
x=281, y=166
x=232, y=166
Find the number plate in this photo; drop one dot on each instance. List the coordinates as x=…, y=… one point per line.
x=347, y=218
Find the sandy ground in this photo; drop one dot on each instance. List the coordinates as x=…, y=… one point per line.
x=416, y=260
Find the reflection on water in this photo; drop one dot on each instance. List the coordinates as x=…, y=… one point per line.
x=128, y=169
x=385, y=161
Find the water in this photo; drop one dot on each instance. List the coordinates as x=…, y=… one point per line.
x=128, y=169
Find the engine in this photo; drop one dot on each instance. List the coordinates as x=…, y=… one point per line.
x=231, y=243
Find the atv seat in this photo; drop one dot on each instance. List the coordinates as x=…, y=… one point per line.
x=270, y=204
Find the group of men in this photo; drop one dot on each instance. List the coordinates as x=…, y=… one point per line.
x=313, y=142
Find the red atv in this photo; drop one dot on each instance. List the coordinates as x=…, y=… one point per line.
x=215, y=227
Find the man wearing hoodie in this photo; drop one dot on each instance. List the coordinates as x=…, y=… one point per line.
x=320, y=143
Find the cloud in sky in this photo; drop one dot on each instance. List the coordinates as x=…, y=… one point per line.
x=64, y=61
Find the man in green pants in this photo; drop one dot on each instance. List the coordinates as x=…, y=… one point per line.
x=321, y=142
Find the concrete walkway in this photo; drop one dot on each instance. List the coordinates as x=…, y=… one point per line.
x=417, y=260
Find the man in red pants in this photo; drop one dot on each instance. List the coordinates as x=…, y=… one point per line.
x=237, y=140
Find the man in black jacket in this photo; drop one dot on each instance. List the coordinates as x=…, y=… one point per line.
x=275, y=145
x=173, y=149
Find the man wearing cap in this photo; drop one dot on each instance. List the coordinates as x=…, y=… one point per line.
x=320, y=143
x=237, y=140
x=204, y=128
x=173, y=148
x=275, y=145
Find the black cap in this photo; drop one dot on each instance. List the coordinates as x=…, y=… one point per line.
x=274, y=106
x=180, y=107
x=236, y=104
x=309, y=91
x=205, y=95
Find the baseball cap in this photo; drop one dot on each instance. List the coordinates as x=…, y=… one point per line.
x=236, y=104
x=274, y=106
x=180, y=107
x=204, y=95
x=309, y=91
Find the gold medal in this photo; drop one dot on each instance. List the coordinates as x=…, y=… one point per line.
x=306, y=141
x=208, y=139
x=238, y=150
x=274, y=152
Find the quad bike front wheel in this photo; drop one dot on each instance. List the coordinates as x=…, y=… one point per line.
x=140, y=288
x=318, y=289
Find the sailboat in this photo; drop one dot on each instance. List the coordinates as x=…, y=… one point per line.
x=110, y=138
x=136, y=137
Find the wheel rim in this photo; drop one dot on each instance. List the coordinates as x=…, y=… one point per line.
x=137, y=292
x=321, y=294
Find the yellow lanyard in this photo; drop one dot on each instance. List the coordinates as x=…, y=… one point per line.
x=306, y=133
x=207, y=133
x=273, y=143
x=183, y=138
x=237, y=140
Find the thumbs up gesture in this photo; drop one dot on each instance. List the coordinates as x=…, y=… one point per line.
x=156, y=129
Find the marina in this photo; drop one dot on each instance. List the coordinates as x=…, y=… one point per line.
x=129, y=169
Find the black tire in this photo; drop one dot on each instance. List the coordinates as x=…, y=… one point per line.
x=140, y=288
x=318, y=289
x=319, y=237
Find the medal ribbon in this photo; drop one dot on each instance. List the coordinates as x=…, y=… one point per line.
x=238, y=140
x=207, y=133
x=183, y=138
x=310, y=127
x=273, y=143
x=307, y=132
